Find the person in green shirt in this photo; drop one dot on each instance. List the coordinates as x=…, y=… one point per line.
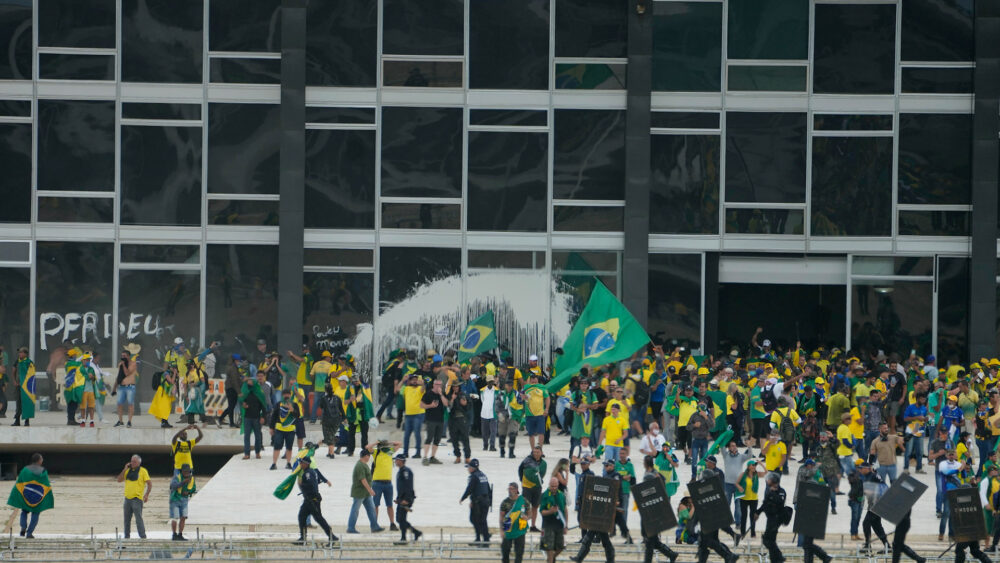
x=182, y=487
x=554, y=521
x=513, y=524
x=362, y=493
x=837, y=405
x=624, y=467
x=532, y=472
x=758, y=416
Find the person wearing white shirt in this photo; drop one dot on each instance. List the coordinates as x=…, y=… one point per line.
x=652, y=441
x=488, y=414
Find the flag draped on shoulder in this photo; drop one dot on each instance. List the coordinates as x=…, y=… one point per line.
x=361, y=408
x=285, y=487
x=479, y=336
x=32, y=492
x=26, y=375
x=605, y=332
x=73, y=384
x=245, y=392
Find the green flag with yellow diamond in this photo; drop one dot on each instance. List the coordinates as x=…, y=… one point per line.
x=480, y=336
x=605, y=332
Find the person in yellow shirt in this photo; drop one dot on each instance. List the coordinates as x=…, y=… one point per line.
x=687, y=405
x=181, y=448
x=613, y=431
x=857, y=427
x=775, y=452
x=137, y=488
x=845, y=444
x=787, y=433
x=413, y=394
x=382, y=476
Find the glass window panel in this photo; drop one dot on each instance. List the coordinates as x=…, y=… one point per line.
x=593, y=76
x=509, y=44
x=687, y=46
x=833, y=122
x=340, y=179
x=855, y=49
x=161, y=111
x=235, y=25
x=579, y=288
x=341, y=42
x=15, y=251
x=76, y=145
x=765, y=157
x=852, y=186
x=953, y=309
x=581, y=262
x=421, y=216
x=767, y=78
x=938, y=30
x=532, y=260
x=349, y=257
x=245, y=71
x=675, y=299
x=161, y=175
x=591, y=29
x=429, y=27
x=575, y=218
x=76, y=209
x=685, y=119
x=154, y=308
x=76, y=23
x=76, y=67
x=16, y=49
x=15, y=314
x=935, y=158
x=160, y=253
x=418, y=74
x=768, y=29
x=508, y=186
x=15, y=108
x=242, y=212
x=15, y=161
x=421, y=152
x=162, y=40
x=891, y=316
x=526, y=117
x=334, y=306
x=937, y=80
x=889, y=266
x=589, y=161
x=402, y=271
x=339, y=115
x=243, y=145
x=73, y=297
x=684, y=195
x=765, y=221
x=814, y=314
x=242, y=295
x=934, y=223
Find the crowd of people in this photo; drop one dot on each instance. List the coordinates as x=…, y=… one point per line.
x=858, y=423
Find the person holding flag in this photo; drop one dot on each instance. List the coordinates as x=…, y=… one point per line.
x=479, y=336
x=282, y=428
x=285, y=487
x=24, y=378
x=163, y=401
x=32, y=494
x=554, y=521
x=513, y=524
x=73, y=385
x=253, y=410
x=359, y=410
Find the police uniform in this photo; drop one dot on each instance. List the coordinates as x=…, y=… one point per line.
x=773, y=507
x=899, y=546
x=652, y=541
x=590, y=535
x=309, y=482
x=478, y=491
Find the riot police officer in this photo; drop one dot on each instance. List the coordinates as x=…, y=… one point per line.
x=480, y=495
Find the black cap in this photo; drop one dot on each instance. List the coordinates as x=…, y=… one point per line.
x=473, y=463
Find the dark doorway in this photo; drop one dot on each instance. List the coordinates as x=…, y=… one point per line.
x=814, y=314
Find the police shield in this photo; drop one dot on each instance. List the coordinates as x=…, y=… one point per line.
x=811, y=510
x=710, y=504
x=899, y=499
x=967, y=520
x=600, y=503
x=654, y=507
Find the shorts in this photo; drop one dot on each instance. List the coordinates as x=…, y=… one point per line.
x=330, y=434
x=383, y=489
x=435, y=430
x=637, y=414
x=179, y=508
x=508, y=427
x=283, y=438
x=300, y=429
x=88, y=401
x=535, y=425
x=760, y=427
x=126, y=395
x=553, y=538
x=894, y=408
x=533, y=495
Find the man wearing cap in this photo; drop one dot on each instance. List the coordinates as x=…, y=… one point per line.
x=282, y=428
x=178, y=355
x=510, y=416
x=867, y=476
x=259, y=354
x=24, y=380
x=306, y=381
x=182, y=487
x=532, y=473
x=773, y=507
x=137, y=489
x=590, y=535
x=775, y=452
x=537, y=402
x=405, y=497
x=712, y=471
x=309, y=481
x=581, y=476
x=613, y=431
x=480, y=495
x=361, y=494
x=513, y=524
x=413, y=393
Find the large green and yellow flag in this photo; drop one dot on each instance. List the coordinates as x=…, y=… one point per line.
x=26, y=375
x=605, y=332
x=32, y=492
x=479, y=336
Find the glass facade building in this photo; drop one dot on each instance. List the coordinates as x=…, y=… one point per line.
x=811, y=170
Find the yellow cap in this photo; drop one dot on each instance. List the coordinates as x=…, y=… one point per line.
x=952, y=398
x=820, y=381
x=975, y=365
x=703, y=371
x=858, y=462
x=490, y=370
x=994, y=362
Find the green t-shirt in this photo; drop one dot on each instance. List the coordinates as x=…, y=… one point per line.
x=756, y=404
x=361, y=472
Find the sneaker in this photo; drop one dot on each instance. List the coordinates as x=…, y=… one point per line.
x=920, y=472
x=83, y=424
x=21, y=533
x=435, y=460
x=457, y=460
x=274, y=467
x=426, y=461
x=415, y=456
x=417, y=534
x=128, y=424
x=378, y=529
x=331, y=456
x=288, y=466
x=510, y=455
x=353, y=532
x=119, y=423
x=180, y=537
x=91, y=423
x=394, y=527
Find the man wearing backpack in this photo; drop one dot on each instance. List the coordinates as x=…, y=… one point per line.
x=784, y=419
x=640, y=400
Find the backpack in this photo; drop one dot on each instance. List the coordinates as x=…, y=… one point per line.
x=786, y=427
x=156, y=379
x=768, y=399
x=641, y=395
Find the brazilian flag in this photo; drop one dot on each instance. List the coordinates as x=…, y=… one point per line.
x=362, y=408
x=26, y=374
x=73, y=385
x=605, y=332
x=32, y=492
x=479, y=336
x=285, y=487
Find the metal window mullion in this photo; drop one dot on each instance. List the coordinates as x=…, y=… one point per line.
x=510, y=128
x=11, y=119
x=588, y=203
x=159, y=266
x=586, y=60
x=679, y=131
x=203, y=247
x=377, y=252
x=849, y=303
x=241, y=54
x=107, y=51
x=430, y=200
x=937, y=64
x=807, y=212
x=850, y=134
x=703, y=345
x=341, y=126
x=550, y=188
x=768, y=62
x=75, y=194
x=133, y=122
x=242, y=197
x=934, y=305
x=765, y=206
x=33, y=251
x=423, y=58
x=934, y=207
x=896, y=88
x=338, y=270
x=721, y=225
x=116, y=212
